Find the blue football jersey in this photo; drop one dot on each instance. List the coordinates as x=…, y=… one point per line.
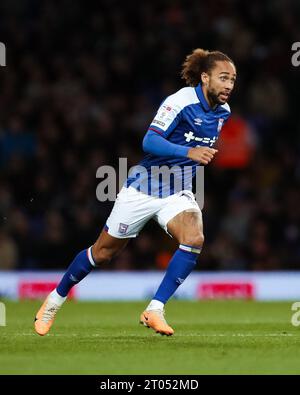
x=186, y=119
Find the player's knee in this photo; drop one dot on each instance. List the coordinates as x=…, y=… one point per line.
x=194, y=240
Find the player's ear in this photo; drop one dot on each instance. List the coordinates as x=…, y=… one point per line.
x=204, y=78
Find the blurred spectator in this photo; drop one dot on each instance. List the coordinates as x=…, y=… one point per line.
x=8, y=252
x=236, y=144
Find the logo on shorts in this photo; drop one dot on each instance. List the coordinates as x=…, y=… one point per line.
x=123, y=228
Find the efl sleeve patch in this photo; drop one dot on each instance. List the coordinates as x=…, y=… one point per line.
x=166, y=118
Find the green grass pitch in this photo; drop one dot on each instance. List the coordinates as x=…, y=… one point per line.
x=212, y=337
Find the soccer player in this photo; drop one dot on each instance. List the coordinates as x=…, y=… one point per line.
x=182, y=133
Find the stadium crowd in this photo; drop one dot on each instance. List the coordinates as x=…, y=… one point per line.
x=81, y=86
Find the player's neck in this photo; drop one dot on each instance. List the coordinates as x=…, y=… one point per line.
x=211, y=104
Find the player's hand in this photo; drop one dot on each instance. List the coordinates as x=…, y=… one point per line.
x=202, y=154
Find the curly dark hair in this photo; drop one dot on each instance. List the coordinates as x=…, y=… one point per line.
x=199, y=61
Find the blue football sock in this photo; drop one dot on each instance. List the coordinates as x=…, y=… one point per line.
x=77, y=271
x=180, y=266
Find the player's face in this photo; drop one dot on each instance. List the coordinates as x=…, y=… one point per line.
x=220, y=82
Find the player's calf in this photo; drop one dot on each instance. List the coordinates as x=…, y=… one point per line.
x=107, y=247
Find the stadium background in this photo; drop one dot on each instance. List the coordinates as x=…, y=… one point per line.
x=81, y=84
x=79, y=90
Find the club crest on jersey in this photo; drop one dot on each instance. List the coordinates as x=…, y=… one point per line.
x=220, y=124
x=123, y=228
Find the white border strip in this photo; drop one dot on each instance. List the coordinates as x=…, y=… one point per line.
x=190, y=249
x=89, y=254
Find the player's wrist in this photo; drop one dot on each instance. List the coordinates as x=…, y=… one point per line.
x=182, y=151
x=190, y=152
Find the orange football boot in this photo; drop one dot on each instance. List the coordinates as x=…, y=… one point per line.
x=155, y=319
x=45, y=317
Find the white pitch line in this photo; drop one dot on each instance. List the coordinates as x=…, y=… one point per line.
x=176, y=335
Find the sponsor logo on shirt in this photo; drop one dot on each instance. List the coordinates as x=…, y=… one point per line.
x=205, y=140
x=158, y=122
